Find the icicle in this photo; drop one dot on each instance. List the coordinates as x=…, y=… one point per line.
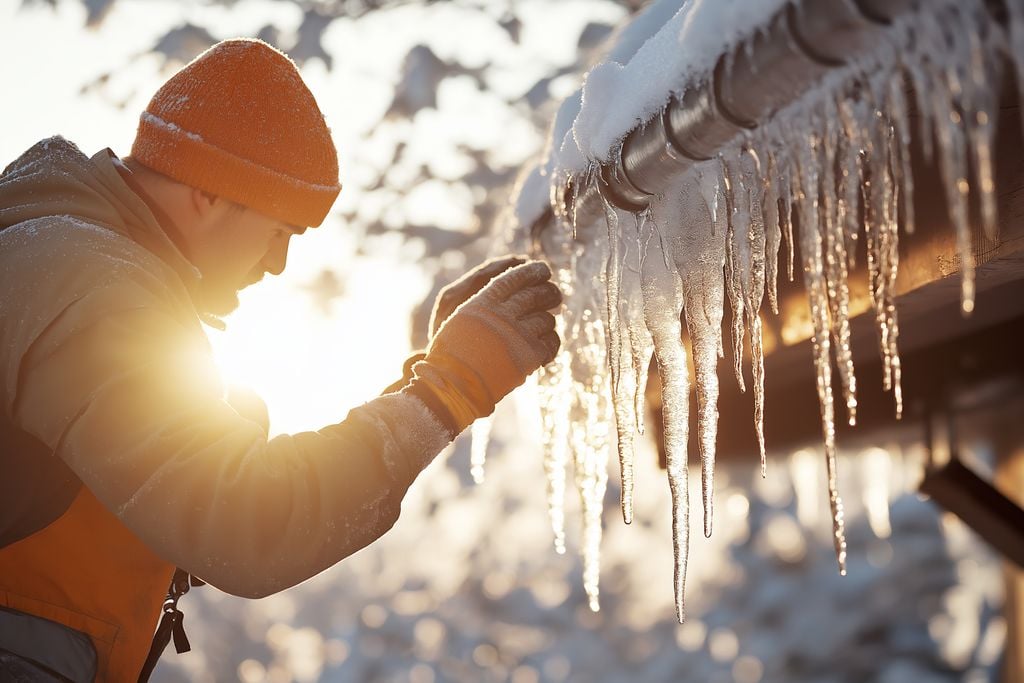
x=591, y=476
x=896, y=106
x=872, y=239
x=662, y=308
x=773, y=231
x=848, y=185
x=612, y=281
x=699, y=256
x=981, y=109
x=625, y=423
x=641, y=343
x=590, y=409
x=736, y=245
x=881, y=161
x=814, y=276
x=944, y=94
x=753, y=286
x=889, y=149
x=556, y=392
x=575, y=195
x=624, y=380
x=480, y=433
x=745, y=272
x=786, y=216
x=836, y=260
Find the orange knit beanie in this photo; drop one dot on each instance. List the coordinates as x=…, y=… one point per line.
x=239, y=123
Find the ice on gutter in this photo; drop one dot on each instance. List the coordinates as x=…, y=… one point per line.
x=562, y=152
x=664, y=48
x=835, y=162
x=619, y=96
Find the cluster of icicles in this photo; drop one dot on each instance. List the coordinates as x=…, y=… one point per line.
x=831, y=170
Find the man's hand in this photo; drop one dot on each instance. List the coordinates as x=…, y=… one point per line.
x=454, y=295
x=492, y=343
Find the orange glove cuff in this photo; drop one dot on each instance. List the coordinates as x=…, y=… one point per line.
x=461, y=411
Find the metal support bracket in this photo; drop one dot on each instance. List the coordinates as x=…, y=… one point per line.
x=959, y=489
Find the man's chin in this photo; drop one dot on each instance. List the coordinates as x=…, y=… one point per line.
x=219, y=302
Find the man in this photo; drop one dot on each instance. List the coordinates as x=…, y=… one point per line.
x=121, y=459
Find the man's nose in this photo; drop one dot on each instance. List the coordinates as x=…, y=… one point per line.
x=277, y=256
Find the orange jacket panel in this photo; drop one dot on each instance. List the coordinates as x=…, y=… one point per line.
x=88, y=571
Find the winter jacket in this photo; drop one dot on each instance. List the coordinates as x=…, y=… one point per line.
x=112, y=406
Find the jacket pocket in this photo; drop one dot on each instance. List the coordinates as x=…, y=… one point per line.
x=59, y=638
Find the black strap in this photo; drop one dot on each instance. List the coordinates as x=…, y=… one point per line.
x=172, y=623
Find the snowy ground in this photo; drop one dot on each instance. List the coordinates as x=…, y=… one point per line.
x=467, y=587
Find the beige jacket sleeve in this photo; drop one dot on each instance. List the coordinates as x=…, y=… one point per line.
x=124, y=390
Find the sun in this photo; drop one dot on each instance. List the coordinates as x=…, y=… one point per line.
x=312, y=363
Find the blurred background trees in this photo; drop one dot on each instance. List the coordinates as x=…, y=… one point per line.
x=438, y=156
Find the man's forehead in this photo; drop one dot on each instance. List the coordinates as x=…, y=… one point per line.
x=296, y=229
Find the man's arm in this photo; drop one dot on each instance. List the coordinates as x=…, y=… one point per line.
x=126, y=393
x=130, y=399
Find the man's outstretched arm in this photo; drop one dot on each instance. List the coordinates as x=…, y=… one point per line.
x=127, y=395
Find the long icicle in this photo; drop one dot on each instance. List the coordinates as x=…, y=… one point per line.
x=735, y=244
x=814, y=274
x=591, y=407
x=754, y=284
x=555, y=388
x=944, y=93
x=622, y=397
x=837, y=262
x=700, y=261
x=641, y=343
x=662, y=310
x=887, y=146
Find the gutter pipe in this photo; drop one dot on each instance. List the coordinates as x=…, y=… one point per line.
x=747, y=85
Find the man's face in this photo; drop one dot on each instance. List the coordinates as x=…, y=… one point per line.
x=236, y=251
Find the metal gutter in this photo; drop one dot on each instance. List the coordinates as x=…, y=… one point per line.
x=747, y=86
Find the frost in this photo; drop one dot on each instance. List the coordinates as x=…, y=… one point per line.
x=827, y=177
x=167, y=125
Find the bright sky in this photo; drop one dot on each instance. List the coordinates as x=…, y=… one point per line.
x=310, y=366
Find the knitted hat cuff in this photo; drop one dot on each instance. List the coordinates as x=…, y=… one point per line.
x=187, y=158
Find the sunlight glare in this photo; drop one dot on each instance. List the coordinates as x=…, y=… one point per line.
x=311, y=368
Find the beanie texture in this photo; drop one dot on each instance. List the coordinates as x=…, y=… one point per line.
x=238, y=122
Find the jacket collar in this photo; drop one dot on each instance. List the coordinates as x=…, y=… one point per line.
x=145, y=222
x=154, y=229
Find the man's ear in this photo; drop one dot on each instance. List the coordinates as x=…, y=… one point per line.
x=203, y=203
